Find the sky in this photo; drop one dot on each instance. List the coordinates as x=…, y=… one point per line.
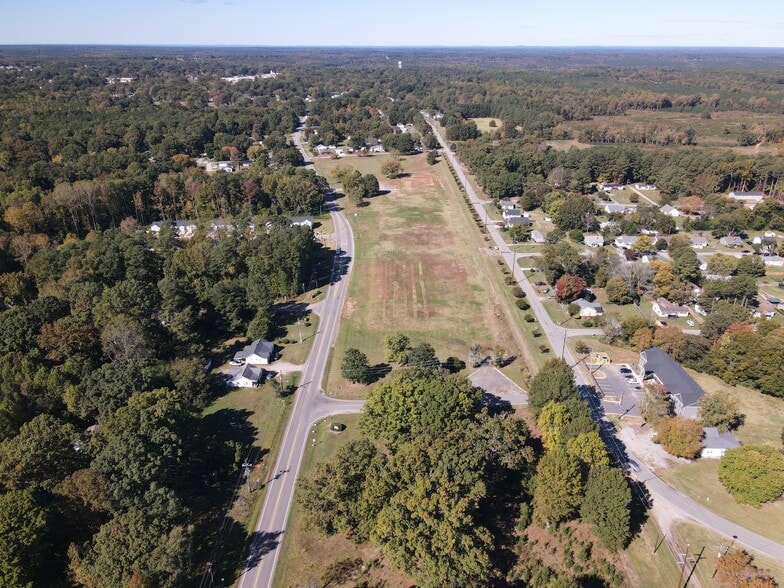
x=660, y=23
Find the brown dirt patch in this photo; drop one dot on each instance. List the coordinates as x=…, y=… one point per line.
x=349, y=307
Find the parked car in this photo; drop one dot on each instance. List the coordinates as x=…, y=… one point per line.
x=634, y=466
x=625, y=370
x=235, y=362
x=690, y=322
x=540, y=283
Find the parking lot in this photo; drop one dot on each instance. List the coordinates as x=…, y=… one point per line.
x=618, y=395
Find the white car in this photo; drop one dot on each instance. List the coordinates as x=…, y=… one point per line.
x=235, y=362
x=690, y=322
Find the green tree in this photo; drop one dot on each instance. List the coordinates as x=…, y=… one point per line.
x=723, y=314
x=418, y=401
x=753, y=474
x=355, y=366
x=680, y=436
x=589, y=449
x=423, y=355
x=554, y=382
x=576, y=212
x=606, y=505
x=432, y=157
x=722, y=265
x=721, y=410
x=41, y=454
x=430, y=525
x=557, y=486
x=133, y=545
x=142, y=443
x=332, y=495
x=396, y=346
x=23, y=539
x=643, y=245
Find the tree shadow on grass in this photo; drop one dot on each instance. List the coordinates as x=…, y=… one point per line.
x=378, y=372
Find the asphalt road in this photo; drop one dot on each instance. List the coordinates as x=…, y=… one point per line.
x=310, y=405
x=654, y=488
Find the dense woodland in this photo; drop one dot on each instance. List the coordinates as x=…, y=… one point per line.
x=102, y=323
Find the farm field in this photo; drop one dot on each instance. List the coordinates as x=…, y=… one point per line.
x=421, y=268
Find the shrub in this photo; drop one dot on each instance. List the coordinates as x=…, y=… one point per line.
x=753, y=474
x=517, y=292
x=522, y=304
x=544, y=348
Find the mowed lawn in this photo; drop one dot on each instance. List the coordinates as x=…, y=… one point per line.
x=421, y=268
x=699, y=537
x=699, y=480
x=306, y=554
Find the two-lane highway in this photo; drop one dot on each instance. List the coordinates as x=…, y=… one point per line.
x=665, y=496
x=310, y=405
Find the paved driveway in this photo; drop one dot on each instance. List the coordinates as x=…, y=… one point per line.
x=619, y=397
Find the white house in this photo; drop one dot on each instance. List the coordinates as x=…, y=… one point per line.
x=714, y=444
x=607, y=187
x=764, y=310
x=589, y=309
x=748, y=199
x=512, y=213
x=699, y=242
x=773, y=260
x=617, y=208
x=301, y=221
x=538, y=236
x=593, y=240
x=260, y=352
x=666, y=309
x=246, y=376
x=645, y=186
x=183, y=229
x=669, y=210
x=506, y=205
x=625, y=241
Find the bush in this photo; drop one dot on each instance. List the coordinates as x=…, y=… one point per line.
x=544, y=348
x=517, y=292
x=753, y=474
x=680, y=436
x=535, y=332
x=508, y=280
x=522, y=304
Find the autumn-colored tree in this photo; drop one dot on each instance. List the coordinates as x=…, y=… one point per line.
x=589, y=449
x=618, y=292
x=680, y=436
x=558, y=486
x=655, y=403
x=569, y=288
x=643, y=244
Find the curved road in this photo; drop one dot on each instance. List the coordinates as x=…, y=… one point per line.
x=664, y=495
x=310, y=405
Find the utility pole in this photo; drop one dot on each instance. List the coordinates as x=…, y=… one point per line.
x=246, y=467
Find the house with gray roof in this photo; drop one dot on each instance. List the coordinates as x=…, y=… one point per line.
x=731, y=241
x=715, y=444
x=247, y=376
x=518, y=221
x=698, y=241
x=669, y=210
x=625, y=241
x=685, y=394
x=588, y=309
x=538, y=236
x=506, y=205
x=593, y=240
x=614, y=208
x=301, y=221
x=260, y=352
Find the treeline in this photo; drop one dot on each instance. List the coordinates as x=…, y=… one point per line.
x=513, y=168
x=106, y=466
x=434, y=481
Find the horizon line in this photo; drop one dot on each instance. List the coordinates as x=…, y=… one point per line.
x=253, y=46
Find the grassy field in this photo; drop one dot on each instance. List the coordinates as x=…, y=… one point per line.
x=306, y=554
x=721, y=130
x=699, y=480
x=651, y=560
x=764, y=414
x=422, y=268
x=698, y=537
x=483, y=124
